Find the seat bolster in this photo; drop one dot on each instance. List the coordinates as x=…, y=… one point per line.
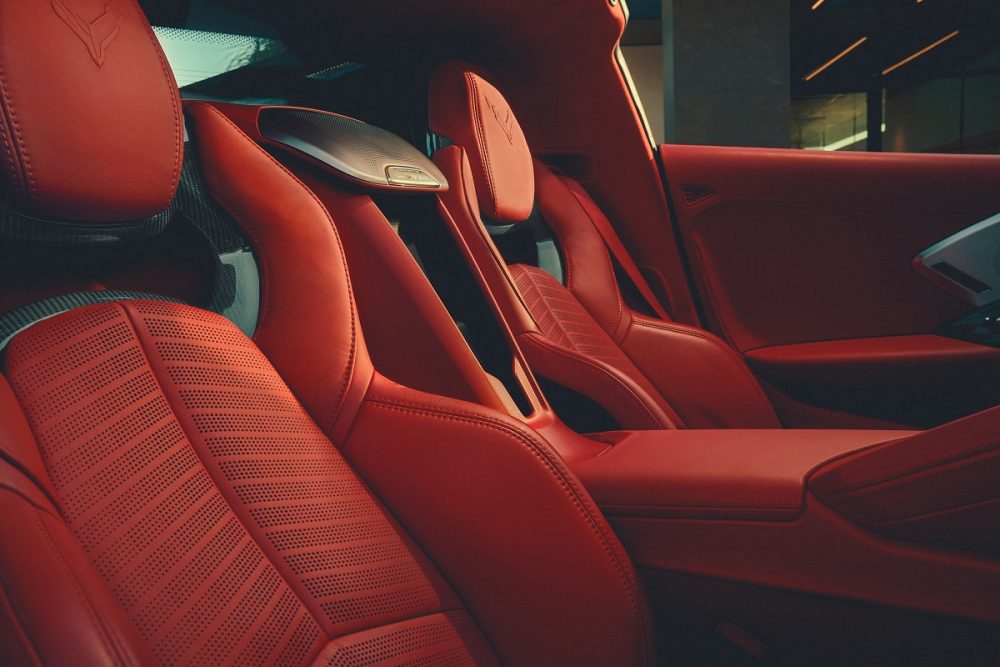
x=508, y=524
x=628, y=401
x=590, y=275
x=65, y=613
x=702, y=377
x=308, y=320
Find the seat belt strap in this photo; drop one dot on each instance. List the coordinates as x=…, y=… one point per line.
x=617, y=249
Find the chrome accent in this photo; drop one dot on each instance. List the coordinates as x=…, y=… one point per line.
x=975, y=252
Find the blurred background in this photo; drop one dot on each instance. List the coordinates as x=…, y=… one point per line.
x=875, y=75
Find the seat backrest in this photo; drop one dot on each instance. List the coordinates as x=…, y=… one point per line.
x=487, y=160
x=575, y=325
x=170, y=490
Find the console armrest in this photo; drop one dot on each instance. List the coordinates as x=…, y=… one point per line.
x=939, y=487
x=720, y=474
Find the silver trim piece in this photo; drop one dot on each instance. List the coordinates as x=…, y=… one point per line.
x=362, y=153
x=974, y=252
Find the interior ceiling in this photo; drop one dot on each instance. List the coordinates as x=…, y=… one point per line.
x=388, y=28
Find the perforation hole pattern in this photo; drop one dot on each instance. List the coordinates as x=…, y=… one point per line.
x=148, y=424
x=146, y=511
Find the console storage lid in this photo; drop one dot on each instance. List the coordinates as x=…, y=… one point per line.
x=755, y=474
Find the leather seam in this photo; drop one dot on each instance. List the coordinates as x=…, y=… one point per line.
x=748, y=377
x=253, y=534
x=110, y=639
x=481, y=141
x=568, y=184
x=884, y=487
x=17, y=148
x=702, y=504
x=921, y=516
x=557, y=470
x=352, y=357
x=925, y=466
x=168, y=79
x=14, y=623
x=11, y=166
x=621, y=383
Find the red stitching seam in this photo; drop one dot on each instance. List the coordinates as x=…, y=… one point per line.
x=12, y=621
x=351, y=360
x=555, y=466
x=584, y=360
x=110, y=639
x=25, y=179
x=481, y=140
x=725, y=349
x=168, y=78
x=874, y=488
x=568, y=184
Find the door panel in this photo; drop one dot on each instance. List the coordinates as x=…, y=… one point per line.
x=790, y=247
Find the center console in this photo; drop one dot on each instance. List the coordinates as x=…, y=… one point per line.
x=889, y=519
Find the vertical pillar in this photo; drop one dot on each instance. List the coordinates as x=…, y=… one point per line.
x=874, y=115
x=726, y=72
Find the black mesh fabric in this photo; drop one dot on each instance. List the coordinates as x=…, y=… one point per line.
x=23, y=227
x=235, y=289
x=19, y=319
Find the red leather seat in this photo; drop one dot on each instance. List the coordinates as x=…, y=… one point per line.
x=173, y=492
x=645, y=371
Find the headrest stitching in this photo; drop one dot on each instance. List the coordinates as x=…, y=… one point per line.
x=15, y=144
x=175, y=105
x=481, y=139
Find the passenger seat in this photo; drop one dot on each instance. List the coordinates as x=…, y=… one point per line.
x=562, y=296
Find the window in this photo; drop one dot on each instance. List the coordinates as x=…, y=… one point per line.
x=892, y=75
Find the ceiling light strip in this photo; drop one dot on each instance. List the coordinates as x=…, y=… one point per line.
x=920, y=53
x=821, y=68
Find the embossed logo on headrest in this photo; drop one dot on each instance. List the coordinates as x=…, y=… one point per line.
x=506, y=120
x=96, y=35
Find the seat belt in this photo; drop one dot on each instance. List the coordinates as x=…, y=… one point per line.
x=617, y=249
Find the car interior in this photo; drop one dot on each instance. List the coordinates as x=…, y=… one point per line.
x=392, y=338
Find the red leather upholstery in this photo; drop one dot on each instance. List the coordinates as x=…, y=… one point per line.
x=172, y=493
x=937, y=487
x=114, y=152
x=721, y=475
x=571, y=349
x=470, y=111
x=582, y=335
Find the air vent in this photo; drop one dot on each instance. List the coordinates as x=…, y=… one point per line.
x=961, y=277
x=695, y=193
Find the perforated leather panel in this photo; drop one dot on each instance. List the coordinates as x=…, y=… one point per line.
x=441, y=640
x=228, y=527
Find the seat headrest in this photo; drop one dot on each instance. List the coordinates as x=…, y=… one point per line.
x=470, y=112
x=90, y=118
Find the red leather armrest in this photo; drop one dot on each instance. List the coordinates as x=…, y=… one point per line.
x=872, y=358
x=727, y=474
x=940, y=487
